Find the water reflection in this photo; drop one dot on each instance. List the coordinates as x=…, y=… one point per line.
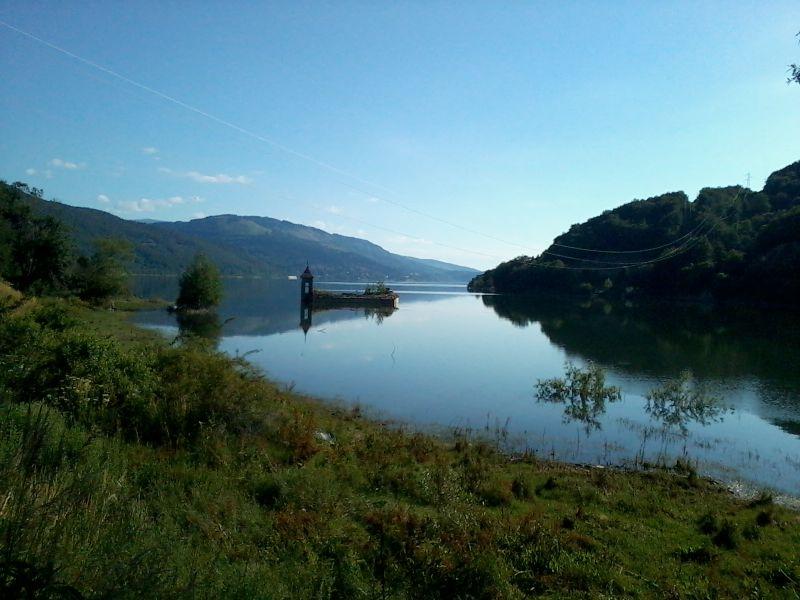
x=661, y=339
x=448, y=359
x=678, y=403
x=308, y=312
x=583, y=392
x=199, y=326
x=728, y=346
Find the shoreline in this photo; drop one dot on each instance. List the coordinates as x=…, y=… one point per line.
x=219, y=478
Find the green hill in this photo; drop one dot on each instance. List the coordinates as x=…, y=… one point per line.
x=242, y=246
x=730, y=243
x=287, y=246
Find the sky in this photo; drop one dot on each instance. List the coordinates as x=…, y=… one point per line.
x=470, y=132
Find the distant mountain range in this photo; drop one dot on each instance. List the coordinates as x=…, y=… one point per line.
x=248, y=246
x=729, y=243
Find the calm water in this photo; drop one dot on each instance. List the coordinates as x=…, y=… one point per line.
x=448, y=358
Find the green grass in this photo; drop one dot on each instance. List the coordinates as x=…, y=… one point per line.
x=132, y=468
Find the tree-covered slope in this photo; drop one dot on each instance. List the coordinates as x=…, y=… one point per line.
x=289, y=246
x=729, y=243
x=240, y=245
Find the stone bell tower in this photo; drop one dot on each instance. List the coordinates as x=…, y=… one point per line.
x=306, y=286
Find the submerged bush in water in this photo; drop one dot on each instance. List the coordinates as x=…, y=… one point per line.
x=584, y=391
x=681, y=401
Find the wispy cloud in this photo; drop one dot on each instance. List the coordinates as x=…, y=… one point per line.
x=334, y=210
x=220, y=178
x=148, y=205
x=30, y=171
x=103, y=198
x=404, y=240
x=150, y=150
x=60, y=163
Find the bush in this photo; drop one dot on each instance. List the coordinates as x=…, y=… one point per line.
x=152, y=394
x=583, y=391
x=268, y=492
x=200, y=285
x=521, y=488
x=728, y=535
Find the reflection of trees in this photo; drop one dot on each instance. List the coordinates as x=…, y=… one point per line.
x=681, y=401
x=199, y=326
x=662, y=339
x=378, y=314
x=582, y=391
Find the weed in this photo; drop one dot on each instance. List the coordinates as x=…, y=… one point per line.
x=696, y=554
x=708, y=524
x=727, y=536
x=521, y=488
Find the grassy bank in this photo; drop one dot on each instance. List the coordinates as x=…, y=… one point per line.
x=132, y=467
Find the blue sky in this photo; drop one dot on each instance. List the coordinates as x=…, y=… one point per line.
x=512, y=120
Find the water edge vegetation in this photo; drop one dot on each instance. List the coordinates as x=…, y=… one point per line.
x=132, y=466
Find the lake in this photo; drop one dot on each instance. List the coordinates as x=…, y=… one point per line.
x=451, y=359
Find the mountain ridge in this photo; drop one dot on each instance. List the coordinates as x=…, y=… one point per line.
x=246, y=246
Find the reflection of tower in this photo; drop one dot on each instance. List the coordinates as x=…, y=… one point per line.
x=305, y=316
x=306, y=299
x=306, y=286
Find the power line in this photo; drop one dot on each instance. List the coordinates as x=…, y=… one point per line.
x=344, y=173
x=292, y=151
x=689, y=244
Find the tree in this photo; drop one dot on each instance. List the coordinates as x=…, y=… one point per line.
x=794, y=71
x=103, y=274
x=200, y=285
x=35, y=252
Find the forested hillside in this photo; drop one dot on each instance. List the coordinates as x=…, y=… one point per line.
x=729, y=243
x=240, y=246
x=287, y=246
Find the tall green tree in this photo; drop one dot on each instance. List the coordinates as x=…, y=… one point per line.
x=103, y=275
x=35, y=252
x=200, y=285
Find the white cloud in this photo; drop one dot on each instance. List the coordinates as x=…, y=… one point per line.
x=404, y=240
x=66, y=164
x=48, y=173
x=103, y=198
x=373, y=200
x=334, y=210
x=145, y=205
x=199, y=215
x=150, y=150
x=30, y=171
x=219, y=178
x=222, y=178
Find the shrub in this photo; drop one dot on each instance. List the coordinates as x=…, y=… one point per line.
x=200, y=285
x=727, y=536
x=708, y=524
x=268, y=492
x=682, y=401
x=583, y=391
x=521, y=488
